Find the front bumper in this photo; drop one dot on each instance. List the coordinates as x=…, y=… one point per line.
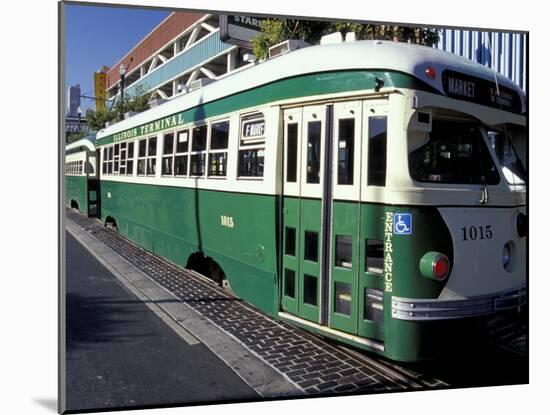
x=416, y=309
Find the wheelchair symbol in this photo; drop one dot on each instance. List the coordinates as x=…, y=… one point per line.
x=402, y=224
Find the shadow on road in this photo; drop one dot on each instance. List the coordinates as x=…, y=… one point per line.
x=101, y=319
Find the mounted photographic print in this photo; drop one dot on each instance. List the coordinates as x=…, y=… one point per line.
x=266, y=207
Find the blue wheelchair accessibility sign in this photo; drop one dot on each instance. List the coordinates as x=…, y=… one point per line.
x=402, y=223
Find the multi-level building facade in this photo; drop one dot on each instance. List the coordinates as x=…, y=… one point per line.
x=183, y=48
x=187, y=46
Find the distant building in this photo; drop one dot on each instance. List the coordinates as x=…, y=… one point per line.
x=76, y=125
x=73, y=100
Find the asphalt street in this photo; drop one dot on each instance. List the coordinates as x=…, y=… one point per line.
x=121, y=354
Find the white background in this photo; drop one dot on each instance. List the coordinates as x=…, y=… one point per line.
x=28, y=208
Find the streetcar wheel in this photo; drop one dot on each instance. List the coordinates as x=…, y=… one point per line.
x=111, y=223
x=206, y=266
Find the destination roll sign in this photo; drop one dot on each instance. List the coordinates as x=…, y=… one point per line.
x=469, y=88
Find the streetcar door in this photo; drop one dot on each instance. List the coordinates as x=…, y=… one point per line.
x=303, y=180
x=345, y=218
x=357, y=234
x=371, y=293
x=90, y=169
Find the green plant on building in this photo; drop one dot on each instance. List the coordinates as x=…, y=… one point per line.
x=138, y=102
x=278, y=30
x=72, y=137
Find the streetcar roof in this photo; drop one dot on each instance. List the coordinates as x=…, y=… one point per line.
x=88, y=142
x=367, y=54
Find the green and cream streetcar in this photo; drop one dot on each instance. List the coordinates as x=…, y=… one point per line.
x=81, y=178
x=372, y=192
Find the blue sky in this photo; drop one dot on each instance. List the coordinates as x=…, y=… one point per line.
x=97, y=36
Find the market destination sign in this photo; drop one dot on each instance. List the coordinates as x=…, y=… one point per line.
x=470, y=88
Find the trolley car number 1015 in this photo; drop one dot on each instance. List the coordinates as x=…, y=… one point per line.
x=473, y=233
x=227, y=221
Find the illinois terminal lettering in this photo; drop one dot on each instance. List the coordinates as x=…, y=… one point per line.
x=152, y=127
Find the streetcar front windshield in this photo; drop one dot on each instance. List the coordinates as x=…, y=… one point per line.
x=454, y=153
x=508, y=142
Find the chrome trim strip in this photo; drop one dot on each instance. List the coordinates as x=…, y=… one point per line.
x=416, y=309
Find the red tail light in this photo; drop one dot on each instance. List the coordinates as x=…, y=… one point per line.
x=435, y=265
x=440, y=267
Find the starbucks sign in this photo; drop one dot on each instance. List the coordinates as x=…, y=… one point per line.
x=239, y=29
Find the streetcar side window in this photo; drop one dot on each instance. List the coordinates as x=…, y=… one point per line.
x=142, y=151
x=182, y=147
x=311, y=246
x=122, y=166
x=290, y=241
x=342, y=298
x=343, y=251
x=310, y=289
x=378, y=128
x=151, y=156
x=251, y=163
x=252, y=146
x=217, y=155
x=116, y=159
x=374, y=306
x=168, y=154
x=313, y=151
x=346, y=135
x=104, y=159
x=198, y=150
x=455, y=153
x=130, y=159
x=292, y=152
x=290, y=283
x=374, y=256
x=503, y=145
x=110, y=163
